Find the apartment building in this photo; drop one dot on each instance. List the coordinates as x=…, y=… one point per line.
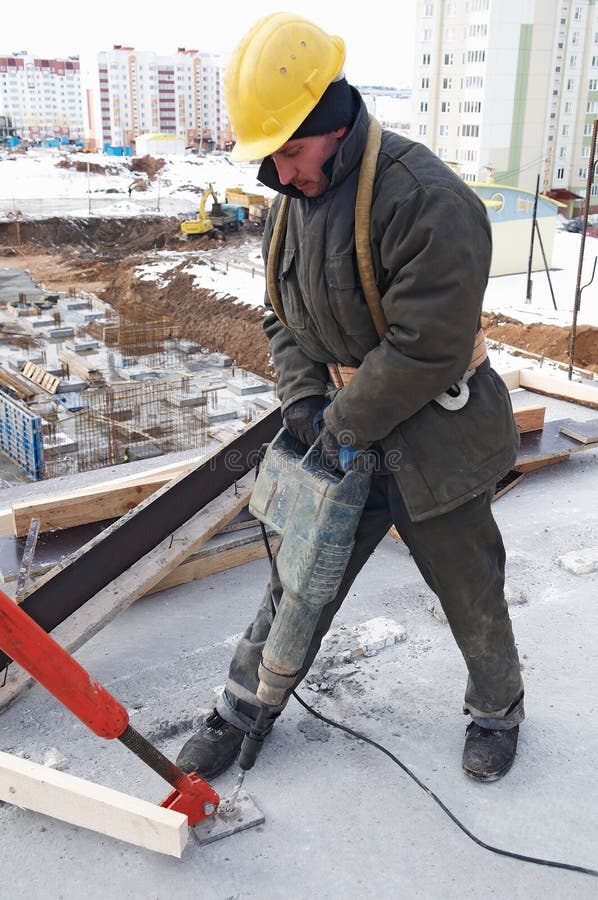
x=42, y=97
x=508, y=89
x=141, y=92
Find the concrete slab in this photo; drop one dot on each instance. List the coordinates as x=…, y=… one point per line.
x=341, y=820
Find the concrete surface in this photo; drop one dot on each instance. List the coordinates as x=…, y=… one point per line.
x=342, y=821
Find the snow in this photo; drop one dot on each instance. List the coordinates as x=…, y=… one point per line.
x=33, y=185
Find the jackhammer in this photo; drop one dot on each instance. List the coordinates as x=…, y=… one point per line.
x=316, y=511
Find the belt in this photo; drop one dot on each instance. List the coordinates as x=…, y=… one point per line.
x=342, y=375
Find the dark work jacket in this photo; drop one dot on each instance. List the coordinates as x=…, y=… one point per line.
x=431, y=247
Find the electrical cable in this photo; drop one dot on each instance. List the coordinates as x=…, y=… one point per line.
x=510, y=853
x=571, y=867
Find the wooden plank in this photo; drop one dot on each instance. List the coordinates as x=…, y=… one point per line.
x=509, y=481
x=215, y=560
x=584, y=432
x=83, y=507
x=511, y=378
x=529, y=418
x=544, y=448
x=575, y=391
x=79, y=802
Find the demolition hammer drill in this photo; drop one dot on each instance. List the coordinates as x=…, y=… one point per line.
x=316, y=511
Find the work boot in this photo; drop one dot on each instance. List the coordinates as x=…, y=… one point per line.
x=489, y=753
x=213, y=749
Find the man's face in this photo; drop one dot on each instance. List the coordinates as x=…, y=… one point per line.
x=299, y=162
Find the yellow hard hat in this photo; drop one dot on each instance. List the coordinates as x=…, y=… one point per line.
x=274, y=79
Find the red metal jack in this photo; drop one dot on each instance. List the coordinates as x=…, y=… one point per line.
x=62, y=676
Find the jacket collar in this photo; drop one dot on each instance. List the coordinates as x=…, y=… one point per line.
x=338, y=166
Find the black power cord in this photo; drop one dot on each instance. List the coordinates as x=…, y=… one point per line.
x=531, y=859
x=362, y=737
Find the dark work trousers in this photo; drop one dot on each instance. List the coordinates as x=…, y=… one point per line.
x=462, y=559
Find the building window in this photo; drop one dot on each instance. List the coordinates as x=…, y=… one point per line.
x=587, y=129
x=425, y=84
x=447, y=84
x=427, y=34
x=582, y=173
x=568, y=108
x=560, y=174
x=448, y=59
x=426, y=59
x=428, y=10
x=563, y=153
x=572, y=62
x=570, y=85
x=577, y=14
x=443, y=131
x=445, y=106
x=423, y=130
x=423, y=106
x=593, y=84
x=441, y=153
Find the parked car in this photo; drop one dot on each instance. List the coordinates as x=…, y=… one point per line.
x=576, y=224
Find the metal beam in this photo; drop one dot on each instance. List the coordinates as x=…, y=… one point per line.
x=129, y=538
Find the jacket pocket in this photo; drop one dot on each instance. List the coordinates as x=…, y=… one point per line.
x=347, y=301
x=290, y=295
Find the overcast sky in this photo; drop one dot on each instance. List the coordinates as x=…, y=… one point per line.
x=379, y=35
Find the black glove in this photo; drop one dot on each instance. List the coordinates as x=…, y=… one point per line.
x=298, y=418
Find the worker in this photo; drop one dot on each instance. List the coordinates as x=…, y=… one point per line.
x=430, y=241
x=126, y=455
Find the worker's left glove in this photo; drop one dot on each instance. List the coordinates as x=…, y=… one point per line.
x=301, y=418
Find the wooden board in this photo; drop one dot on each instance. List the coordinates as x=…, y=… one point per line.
x=577, y=392
x=584, y=432
x=44, y=790
x=529, y=418
x=225, y=551
x=103, y=502
x=544, y=448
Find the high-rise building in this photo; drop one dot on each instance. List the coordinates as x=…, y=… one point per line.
x=508, y=89
x=142, y=92
x=42, y=96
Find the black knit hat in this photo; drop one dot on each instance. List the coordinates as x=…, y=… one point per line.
x=333, y=110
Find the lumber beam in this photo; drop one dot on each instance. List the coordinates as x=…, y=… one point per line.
x=529, y=418
x=128, y=539
x=574, y=391
x=83, y=507
x=70, y=799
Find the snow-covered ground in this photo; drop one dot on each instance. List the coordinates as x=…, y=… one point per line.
x=32, y=184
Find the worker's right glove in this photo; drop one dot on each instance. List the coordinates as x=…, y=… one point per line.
x=300, y=419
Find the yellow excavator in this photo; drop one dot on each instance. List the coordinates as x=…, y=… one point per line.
x=224, y=216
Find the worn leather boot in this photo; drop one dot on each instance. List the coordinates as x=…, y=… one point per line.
x=488, y=753
x=213, y=749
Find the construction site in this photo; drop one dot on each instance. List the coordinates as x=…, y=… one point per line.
x=134, y=413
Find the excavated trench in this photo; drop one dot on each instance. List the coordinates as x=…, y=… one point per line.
x=100, y=255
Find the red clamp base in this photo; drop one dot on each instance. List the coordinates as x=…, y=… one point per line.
x=197, y=799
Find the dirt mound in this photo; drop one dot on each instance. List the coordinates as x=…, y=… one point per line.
x=551, y=341
x=147, y=164
x=219, y=323
x=128, y=235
